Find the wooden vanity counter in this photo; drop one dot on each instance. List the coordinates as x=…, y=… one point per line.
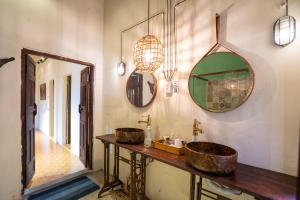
x=260, y=183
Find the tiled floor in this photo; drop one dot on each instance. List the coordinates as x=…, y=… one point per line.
x=52, y=161
x=68, y=146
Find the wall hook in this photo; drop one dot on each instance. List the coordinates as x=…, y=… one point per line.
x=3, y=61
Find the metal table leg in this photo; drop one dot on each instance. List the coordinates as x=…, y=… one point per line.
x=143, y=177
x=116, y=164
x=106, y=185
x=132, y=194
x=192, y=187
x=199, y=188
x=207, y=193
x=116, y=182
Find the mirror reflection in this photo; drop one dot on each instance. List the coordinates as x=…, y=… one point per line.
x=221, y=82
x=141, y=88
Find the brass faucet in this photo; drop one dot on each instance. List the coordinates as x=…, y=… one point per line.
x=148, y=121
x=196, y=128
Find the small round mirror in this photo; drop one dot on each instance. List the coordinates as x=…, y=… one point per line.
x=221, y=82
x=141, y=88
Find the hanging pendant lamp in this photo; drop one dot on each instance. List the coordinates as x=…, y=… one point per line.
x=285, y=29
x=148, y=51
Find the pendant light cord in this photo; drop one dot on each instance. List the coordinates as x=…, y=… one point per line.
x=148, y=17
x=286, y=7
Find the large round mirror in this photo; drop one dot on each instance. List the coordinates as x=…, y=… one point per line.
x=141, y=88
x=221, y=82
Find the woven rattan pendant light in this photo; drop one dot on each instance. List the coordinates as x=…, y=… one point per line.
x=148, y=51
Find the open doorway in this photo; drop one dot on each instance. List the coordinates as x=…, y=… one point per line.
x=56, y=135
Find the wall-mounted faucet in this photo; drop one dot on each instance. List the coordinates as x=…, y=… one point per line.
x=148, y=121
x=196, y=130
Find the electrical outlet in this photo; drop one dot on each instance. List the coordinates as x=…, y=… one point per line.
x=172, y=87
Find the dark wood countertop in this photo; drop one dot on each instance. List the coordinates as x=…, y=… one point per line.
x=261, y=183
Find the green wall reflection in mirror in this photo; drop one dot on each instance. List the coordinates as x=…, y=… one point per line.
x=221, y=81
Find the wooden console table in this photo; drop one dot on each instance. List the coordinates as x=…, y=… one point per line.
x=260, y=183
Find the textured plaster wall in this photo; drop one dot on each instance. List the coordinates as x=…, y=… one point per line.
x=70, y=28
x=264, y=130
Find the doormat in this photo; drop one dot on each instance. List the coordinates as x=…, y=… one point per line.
x=72, y=190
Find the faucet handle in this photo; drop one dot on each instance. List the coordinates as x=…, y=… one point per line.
x=148, y=121
x=145, y=116
x=196, y=123
x=196, y=127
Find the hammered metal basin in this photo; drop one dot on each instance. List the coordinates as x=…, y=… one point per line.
x=130, y=135
x=211, y=157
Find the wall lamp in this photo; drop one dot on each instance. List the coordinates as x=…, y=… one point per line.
x=41, y=60
x=121, y=67
x=285, y=28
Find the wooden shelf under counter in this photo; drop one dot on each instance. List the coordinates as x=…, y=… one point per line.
x=258, y=182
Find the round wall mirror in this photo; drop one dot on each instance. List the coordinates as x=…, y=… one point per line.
x=221, y=81
x=141, y=88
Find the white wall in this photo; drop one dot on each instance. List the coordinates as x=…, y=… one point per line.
x=264, y=130
x=71, y=28
x=58, y=71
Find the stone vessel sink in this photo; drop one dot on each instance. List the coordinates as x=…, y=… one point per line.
x=130, y=135
x=211, y=157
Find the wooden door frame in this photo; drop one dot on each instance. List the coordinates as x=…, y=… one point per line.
x=51, y=108
x=68, y=99
x=24, y=53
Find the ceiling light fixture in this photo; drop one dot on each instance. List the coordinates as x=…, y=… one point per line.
x=148, y=51
x=285, y=28
x=41, y=60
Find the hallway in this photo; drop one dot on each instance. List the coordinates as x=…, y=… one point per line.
x=52, y=161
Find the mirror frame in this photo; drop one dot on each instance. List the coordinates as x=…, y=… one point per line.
x=250, y=92
x=154, y=93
